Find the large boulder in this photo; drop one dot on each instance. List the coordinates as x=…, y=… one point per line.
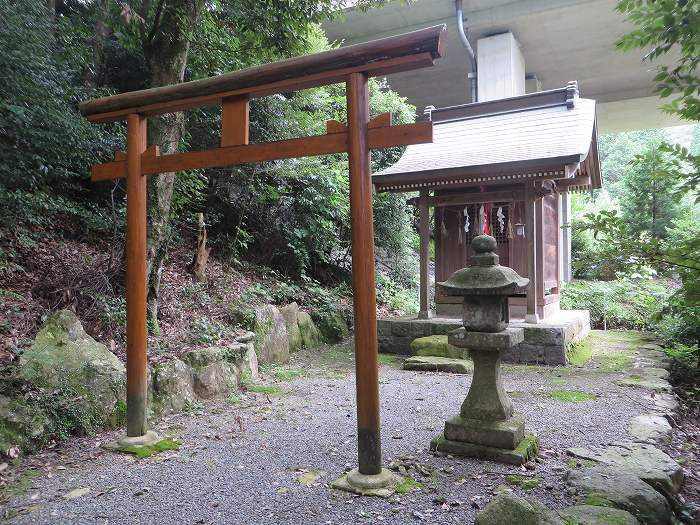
x=612, y=486
x=310, y=334
x=508, y=509
x=271, y=340
x=173, y=386
x=65, y=361
x=213, y=374
x=291, y=320
x=21, y=424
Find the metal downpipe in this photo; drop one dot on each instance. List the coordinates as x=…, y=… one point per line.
x=465, y=42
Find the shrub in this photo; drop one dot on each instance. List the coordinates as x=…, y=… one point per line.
x=627, y=303
x=206, y=331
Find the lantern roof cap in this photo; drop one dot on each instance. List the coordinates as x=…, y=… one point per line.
x=485, y=276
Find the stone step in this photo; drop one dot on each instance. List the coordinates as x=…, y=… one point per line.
x=438, y=364
x=437, y=346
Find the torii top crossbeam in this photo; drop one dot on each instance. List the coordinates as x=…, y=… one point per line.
x=352, y=65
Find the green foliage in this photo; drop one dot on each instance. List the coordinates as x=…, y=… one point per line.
x=626, y=303
x=663, y=26
x=647, y=197
x=46, y=146
x=206, y=331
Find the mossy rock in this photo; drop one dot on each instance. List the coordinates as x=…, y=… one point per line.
x=437, y=346
x=508, y=509
x=332, y=325
x=310, y=334
x=173, y=386
x=592, y=515
x=271, y=339
x=21, y=425
x=146, y=451
x=291, y=320
x=438, y=364
x=213, y=374
x=69, y=364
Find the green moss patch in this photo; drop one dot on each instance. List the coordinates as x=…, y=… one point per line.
x=287, y=374
x=579, y=353
x=528, y=447
x=146, y=451
x=407, y=485
x=571, y=396
x=388, y=359
x=524, y=482
x=270, y=390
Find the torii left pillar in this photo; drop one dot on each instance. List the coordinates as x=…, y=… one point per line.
x=136, y=232
x=369, y=478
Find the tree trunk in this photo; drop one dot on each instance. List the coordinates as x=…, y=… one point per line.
x=201, y=254
x=165, y=48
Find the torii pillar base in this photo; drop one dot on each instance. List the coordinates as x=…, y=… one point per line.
x=382, y=485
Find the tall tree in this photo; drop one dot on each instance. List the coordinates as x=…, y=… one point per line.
x=647, y=198
x=165, y=31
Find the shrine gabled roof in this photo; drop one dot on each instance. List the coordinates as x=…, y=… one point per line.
x=545, y=135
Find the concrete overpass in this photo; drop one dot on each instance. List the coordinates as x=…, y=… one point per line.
x=560, y=40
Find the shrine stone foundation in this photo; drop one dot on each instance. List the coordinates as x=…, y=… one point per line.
x=545, y=343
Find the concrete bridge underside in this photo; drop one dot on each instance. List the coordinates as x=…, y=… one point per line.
x=561, y=40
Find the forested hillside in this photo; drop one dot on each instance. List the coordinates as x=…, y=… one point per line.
x=278, y=232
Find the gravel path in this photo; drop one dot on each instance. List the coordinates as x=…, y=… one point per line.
x=240, y=463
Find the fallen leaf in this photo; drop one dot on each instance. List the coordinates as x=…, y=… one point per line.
x=76, y=493
x=3, y=466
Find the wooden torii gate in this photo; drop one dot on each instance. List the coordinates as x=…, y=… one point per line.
x=352, y=65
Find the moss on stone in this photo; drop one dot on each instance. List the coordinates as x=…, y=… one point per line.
x=524, y=482
x=145, y=451
x=579, y=353
x=437, y=346
x=528, y=447
x=407, y=485
x=571, y=396
x=597, y=500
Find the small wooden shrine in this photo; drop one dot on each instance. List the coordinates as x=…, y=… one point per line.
x=500, y=168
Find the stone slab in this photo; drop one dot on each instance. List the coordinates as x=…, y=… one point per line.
x=522, y=454
x=612, y=486
x=644, y=461
x=438, y=364
x=485, y=340
x=650, y=428
x=437, y=346
x=500, y=434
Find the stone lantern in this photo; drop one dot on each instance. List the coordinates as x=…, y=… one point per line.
x=486, y=426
